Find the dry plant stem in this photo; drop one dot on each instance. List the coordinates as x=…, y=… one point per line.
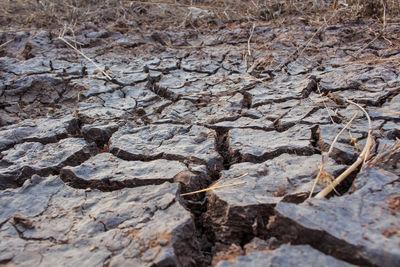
x=337, y=136
x=248, y=45
x=236, y=178
x=326, y=156
x=86, y=57
x=369, y=139
x=6, y=43
x=383, y=111
x=249, y=40
x=317, y=32
x=383, y=15
x=383, y=154
x=212, y=188
x=367, y=45
x=375, y=61
x=361, y=159
x=323, y=101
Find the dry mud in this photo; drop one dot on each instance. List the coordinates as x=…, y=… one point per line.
x=91, y=168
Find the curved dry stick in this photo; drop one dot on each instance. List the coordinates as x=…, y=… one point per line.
x=326, y=156
x=361, y=159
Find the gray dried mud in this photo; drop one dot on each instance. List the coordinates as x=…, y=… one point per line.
x=91, y=168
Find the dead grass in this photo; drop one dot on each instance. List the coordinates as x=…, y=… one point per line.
x=387, y=157
x=54, y=14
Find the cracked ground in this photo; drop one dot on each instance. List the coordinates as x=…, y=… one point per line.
x=92, y=167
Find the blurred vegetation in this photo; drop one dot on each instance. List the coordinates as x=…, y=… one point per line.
x=164, y=13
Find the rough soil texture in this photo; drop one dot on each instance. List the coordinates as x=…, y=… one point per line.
x=92, y=168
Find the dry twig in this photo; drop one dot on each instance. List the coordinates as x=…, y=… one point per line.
x=86, y=57
x=360, y=160
x=326, y=156
x=248, y=44
x=6, y=43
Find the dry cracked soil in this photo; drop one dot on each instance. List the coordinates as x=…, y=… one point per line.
x=92, y=168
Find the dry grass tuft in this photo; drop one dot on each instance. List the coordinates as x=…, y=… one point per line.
x=387, y=156
x=215, y=186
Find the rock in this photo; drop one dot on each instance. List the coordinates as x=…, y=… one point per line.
x=319, y=115
x=246, y=122
x=26, y=90
x=175, y=81
x=299, y=66
x=130, y=41
x=257, y=244
x=143, y=96
x=145, y=226
x=45, y=130
x=234, y=63
x=388, y=110
x=296, y=114
x=26, y=159
x=339, y=80
x=106, y=172
x=132, y=78
x=91, y=86
x=36, y=65
x=281, y=89
x=93, y=110
x=361, y=228
x=203, y=66
x=243, y=210
x=99, y=133
x=258, y=145
x=167, y=141
x=226, y=253
x=346, y=150
x=121, y=104
x=164, y=65
x=226, y=109
x=68, y=69
x=275, y=111
x=285, y=256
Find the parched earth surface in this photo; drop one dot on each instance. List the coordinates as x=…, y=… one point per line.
x=92, y=168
